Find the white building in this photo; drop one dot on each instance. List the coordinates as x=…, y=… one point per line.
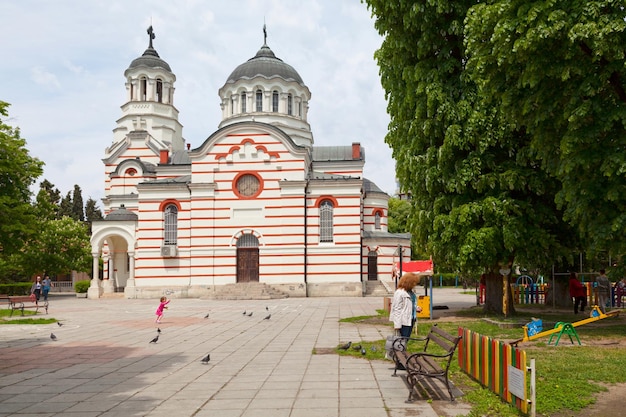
x=255, y=202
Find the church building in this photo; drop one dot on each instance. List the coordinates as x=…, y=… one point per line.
x=256, y=204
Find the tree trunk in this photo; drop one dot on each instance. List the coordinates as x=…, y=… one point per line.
x=560, y=290
x=494, y=291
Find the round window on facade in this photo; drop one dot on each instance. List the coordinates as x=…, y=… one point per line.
x=248, y=185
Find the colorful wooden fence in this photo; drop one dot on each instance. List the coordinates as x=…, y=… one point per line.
x=489, y=362
x=529, y=293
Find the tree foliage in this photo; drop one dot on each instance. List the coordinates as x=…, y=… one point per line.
x=61, y=246
x=480, y=200
x=556, y=70
x=18, y=171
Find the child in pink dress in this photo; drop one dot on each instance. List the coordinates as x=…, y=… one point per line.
x=162, y=306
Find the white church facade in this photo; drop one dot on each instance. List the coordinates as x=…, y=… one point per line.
x=256, y=202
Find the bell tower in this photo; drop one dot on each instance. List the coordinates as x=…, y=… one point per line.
x=149, y=105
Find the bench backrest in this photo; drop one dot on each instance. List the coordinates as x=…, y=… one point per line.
x=19, y=299
x=445, y=340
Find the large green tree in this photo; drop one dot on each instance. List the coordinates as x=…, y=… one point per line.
x=480, y=203
x=556, y=70
x=61, y=246
x=18, y=171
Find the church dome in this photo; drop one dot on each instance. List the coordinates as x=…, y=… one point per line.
x=150, y=57
x=265, y=64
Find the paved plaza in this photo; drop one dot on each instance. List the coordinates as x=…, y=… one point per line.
x=102, y=363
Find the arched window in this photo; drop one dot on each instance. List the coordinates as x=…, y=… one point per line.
x=159, y=91
x=290, y=105
x=243, y=102
x=275, y=101
x=377, y=220
x=143, y=89
x=259, y=100
x=171, y=224
x=326, y=221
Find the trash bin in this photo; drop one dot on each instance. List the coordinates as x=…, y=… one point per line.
x=423, y=301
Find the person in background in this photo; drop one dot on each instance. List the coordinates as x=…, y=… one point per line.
x=578, y=292
x=604, y=290
x=46, y=285
x=482, y=287
x=36, y=288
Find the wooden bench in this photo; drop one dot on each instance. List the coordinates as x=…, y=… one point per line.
x=426, y=363
x=21, y=302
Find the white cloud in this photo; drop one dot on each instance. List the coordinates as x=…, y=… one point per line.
x=45, y=78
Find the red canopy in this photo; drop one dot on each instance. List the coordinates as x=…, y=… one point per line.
x=417, y=267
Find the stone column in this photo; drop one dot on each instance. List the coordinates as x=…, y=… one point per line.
x=130, y=289
x=94, y=288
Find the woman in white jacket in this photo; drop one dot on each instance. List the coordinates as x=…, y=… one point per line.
x=403, y=309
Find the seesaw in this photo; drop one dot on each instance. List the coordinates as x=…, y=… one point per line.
x=534, y=329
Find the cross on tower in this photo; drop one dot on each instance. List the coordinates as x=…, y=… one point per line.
x=151, y=35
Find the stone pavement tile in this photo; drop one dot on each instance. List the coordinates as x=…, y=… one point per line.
x=226, y=394
x=421, y=411
x=319, y=385
x=13, y=407
x=273, y=393
x=315, y=412
x=268, y=412
x=227, y=404
x=319, y=394
x=101, y=404
x=346, y=401
x=313, y=403
x=270, y=403
x=361, y=412
x=63, y=397
x=360, y=393
x=131, y=407
x=205, y=413
x=358, y=384
x=45, y=407
x=279, y=385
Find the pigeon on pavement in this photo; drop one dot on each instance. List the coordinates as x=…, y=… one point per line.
x=346, y=346
x=250, y=314
x=206, y=359
x=207, y=316
x=59, y=323
x=244, y=312
x=155, y=339
x=267, y=317
x=52, y=336
x=158, y=330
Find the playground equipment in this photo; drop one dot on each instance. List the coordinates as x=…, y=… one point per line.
x=534, y=329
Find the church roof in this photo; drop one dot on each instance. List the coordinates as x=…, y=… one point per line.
x=150, y=57
x=333, y=153
x=370, y=187
x=265, y=64
x=121, y=214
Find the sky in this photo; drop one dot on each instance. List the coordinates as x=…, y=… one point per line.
x=63, y=63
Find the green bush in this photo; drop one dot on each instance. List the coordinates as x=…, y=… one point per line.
x=16, y=288
x=82, y=286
